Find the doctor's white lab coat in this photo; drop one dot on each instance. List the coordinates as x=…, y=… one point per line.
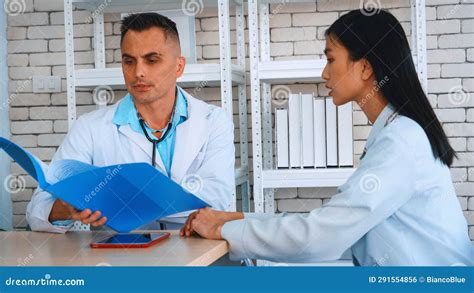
x=204, y=151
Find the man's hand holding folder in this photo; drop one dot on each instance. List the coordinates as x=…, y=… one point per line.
x=127, y=195
x=63, y=211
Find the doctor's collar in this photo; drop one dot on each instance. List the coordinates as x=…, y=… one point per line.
x=126, y=112
x=170, y=121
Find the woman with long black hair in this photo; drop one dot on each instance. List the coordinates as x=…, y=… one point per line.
x=399, y=207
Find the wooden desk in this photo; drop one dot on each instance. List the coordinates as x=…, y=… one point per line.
x=20, y=248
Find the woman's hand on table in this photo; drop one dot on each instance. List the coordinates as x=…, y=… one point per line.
x=208, y=223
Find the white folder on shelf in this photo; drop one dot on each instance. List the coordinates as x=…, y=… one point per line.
x=344, y=135
x=331, y=133
x=294, y=130
x=319, y=127
x=307, y=129
x=281, y=128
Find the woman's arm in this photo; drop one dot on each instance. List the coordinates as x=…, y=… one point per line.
x=385, y=180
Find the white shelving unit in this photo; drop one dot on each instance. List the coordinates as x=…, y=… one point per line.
x=193, y=73
x=291, y=71
x=264, y=72
x=224, y=74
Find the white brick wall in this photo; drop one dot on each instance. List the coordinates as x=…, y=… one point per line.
x=36, y=45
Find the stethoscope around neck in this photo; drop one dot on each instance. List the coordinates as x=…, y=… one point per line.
x=154, y=141
x=163, y=136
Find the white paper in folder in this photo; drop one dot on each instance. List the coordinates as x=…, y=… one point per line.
x=344, y=135
x=281, y=128
x=331, y=133
x=307, y=129
x=294, y=129
x=319, y=127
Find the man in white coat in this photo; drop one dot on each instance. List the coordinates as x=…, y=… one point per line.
x=196, y=147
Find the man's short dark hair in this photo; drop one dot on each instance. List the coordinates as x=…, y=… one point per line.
x=143, y=21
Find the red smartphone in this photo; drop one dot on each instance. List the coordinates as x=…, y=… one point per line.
x=131, y=240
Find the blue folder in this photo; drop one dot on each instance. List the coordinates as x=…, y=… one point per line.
x=129, y=195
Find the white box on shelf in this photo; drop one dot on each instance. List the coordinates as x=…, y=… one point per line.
x=331, y=133
x=294, y=130
x=307, y=131
x=319, y=127
x=344, y=135
x=281, y=129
